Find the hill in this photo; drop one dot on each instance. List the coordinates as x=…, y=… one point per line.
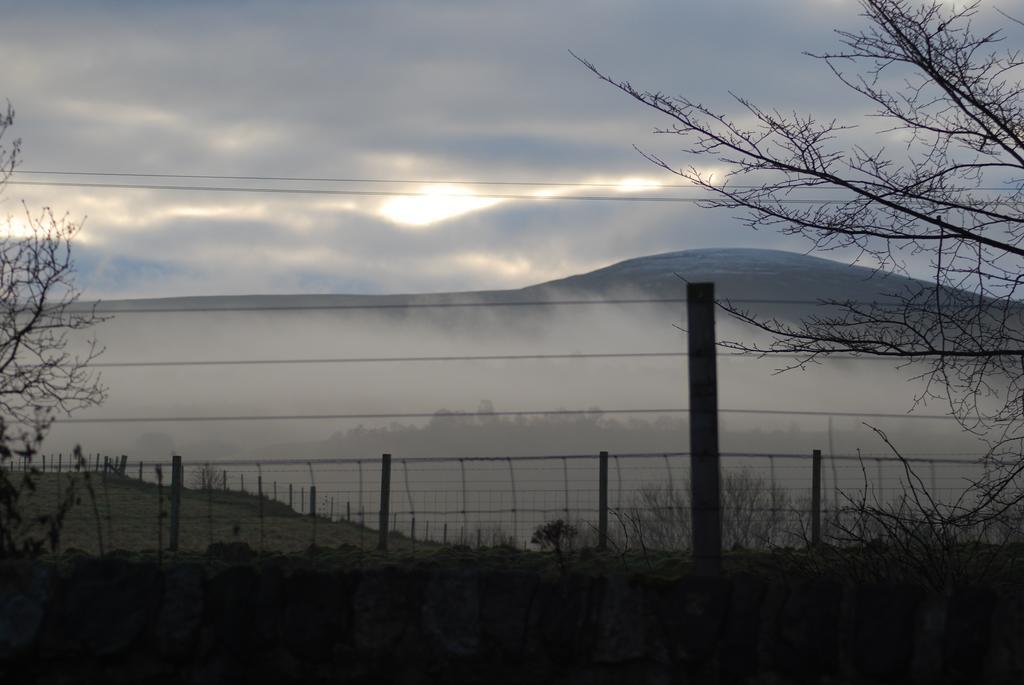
x=127, y=517
x=736, y=272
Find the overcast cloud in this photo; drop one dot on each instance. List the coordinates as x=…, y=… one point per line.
x=384, y=90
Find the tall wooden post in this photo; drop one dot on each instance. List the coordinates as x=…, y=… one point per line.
x=176, y=474
x=385, y=500
x=312, y=501
x=704, y=467
x=816, y=497
x=602, y=501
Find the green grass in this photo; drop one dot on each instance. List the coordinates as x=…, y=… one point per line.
x=126, y=514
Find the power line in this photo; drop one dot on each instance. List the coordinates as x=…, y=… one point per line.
x=322, y=179
x=446, y=305
x=395, y=193
x=388, y=359
x=552, y=412
x=456, y=358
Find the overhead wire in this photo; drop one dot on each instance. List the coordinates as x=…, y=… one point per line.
x=395, y=193
x=130, y=309
x=420, y=181
x=460, y=415
x=458, y=358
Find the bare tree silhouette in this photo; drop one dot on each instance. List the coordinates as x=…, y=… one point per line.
x=41, y=372
x=949, y=192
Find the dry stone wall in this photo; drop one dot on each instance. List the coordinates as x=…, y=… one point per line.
x=114, y=621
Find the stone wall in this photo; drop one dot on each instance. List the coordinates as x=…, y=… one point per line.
x=113, y=621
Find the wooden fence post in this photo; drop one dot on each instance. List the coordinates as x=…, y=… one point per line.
x=290, y=506
x=704, y=460
x=259, y=493
x=312, y=501
x=385, y=500
x=225, y=472
x=176, y=474
x=602, y=501
x=816, y=497
x=140, y=470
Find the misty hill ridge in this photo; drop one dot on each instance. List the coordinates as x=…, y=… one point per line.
x=736, y=272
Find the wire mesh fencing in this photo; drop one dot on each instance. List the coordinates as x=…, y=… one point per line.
x=766, y=500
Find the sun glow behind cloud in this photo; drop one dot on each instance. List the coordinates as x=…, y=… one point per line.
x=635, y=184
x=434, y=204
x=15, y=228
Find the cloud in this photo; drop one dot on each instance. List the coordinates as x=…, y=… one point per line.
x=458, y=91
x=433, y=204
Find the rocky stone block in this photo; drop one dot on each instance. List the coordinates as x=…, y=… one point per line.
x=243, y=609
x=882, y=642
x=1006, y=657
x=383, y=607
x=806, y=635
x=968, y=633
x=451, y=612
x=24, y=597
x=108, y=604
x=622, y=622
x=737, y=652
x=565, y=612
x=691, y=614
x=316, y=614
x=181, y=611
x=505, y=601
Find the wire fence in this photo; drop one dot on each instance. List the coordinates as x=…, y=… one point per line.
x=287, y=505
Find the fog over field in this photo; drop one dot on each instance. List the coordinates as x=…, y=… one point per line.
x=280, y=329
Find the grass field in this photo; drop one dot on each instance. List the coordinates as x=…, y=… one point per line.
x=125, y=513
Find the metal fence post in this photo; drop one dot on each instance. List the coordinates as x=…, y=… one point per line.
x=704, y=460
x=816, y=498
x=602, y=501
x=176, y=473
x=385, y=500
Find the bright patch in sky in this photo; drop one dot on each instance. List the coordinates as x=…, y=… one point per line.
x=16, y=227
x=434, y=204
x=635, y=185
x=486, y=263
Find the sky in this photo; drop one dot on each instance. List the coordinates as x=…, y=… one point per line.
x=461, y=92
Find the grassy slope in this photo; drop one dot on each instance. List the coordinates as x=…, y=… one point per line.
x=127, y=512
